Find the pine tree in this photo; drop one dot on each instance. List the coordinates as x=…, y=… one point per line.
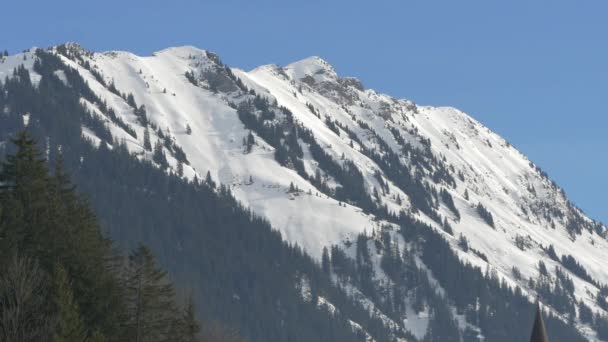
x=69, y=326
x=208, y=180
x=77, y=241
x=250, y=141
x=325, y=262
x=131, y=101
x=150, y=298
x=191, y=327
x=141, y=115
x=180, y=168
x=24, y=216
x=147, y=143
x=159, y=155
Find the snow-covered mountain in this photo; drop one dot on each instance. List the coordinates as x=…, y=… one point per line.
x=330, y=163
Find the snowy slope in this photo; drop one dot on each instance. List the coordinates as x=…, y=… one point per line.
x=215, y=144
x=530, y=212
x=494, y=172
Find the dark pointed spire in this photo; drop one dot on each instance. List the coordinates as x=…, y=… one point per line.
x=539, y=334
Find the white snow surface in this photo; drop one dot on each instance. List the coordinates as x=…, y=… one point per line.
x=215, y=144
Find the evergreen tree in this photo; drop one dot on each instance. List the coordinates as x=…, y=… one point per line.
x=585, y=313
x=250, y=141
x=191, y=327
x=485, y=214
x=325, y=262
x=69, y=326
x=147, y=143
x=159, y=155
x=131, y=101
x=141, y=114
x=150, y=298
x=180, y=168
x=24, y=217
x=208, y=180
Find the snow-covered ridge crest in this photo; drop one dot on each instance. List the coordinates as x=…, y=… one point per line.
x=313, y=66
x=182, y=51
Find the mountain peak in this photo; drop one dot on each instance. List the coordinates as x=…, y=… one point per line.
x=182, y=51
x=71, y=48
x=314, y=66
x=74, y=45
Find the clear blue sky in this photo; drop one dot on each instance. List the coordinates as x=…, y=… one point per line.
x=534, y=71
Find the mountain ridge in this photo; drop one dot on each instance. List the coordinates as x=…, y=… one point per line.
x=376, y=157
